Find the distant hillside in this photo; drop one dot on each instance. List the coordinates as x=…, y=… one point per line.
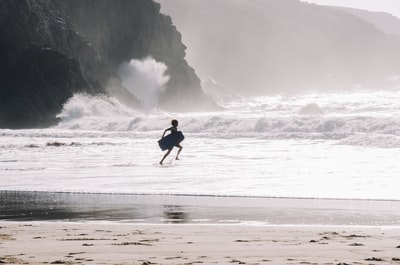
x=259, y=46
x=384, y=21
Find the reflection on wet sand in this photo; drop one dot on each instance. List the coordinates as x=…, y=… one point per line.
x=175, y=209
x=175, y=214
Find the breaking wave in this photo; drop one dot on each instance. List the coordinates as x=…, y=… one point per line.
x=271, y=118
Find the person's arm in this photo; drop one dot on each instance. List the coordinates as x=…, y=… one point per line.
x=165, y=131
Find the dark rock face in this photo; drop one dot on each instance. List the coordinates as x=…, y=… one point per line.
x=125, y=29
x=51, y=49
x=35, y=99
x=37, y=75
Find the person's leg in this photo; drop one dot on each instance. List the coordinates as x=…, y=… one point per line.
x=166, y=154
x=179, y=151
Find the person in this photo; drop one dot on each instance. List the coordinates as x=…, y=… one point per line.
x=173, y=129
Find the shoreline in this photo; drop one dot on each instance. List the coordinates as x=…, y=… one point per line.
x=198, y=195
x=59, y=228
x=159, y=209
x=137, y=244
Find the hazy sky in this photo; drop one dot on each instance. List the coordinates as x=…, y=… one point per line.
x=390, y=6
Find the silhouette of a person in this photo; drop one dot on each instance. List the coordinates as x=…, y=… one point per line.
x=173, y=129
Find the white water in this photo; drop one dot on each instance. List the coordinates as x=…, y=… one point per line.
x=255, y=147
x=145, y=79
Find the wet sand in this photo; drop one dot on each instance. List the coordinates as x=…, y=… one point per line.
x=78, y=228
x=101, y=243
x=161, y=209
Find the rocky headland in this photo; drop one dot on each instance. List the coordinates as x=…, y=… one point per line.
x=52, y=49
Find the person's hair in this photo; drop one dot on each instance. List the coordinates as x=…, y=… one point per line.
x=174, y=123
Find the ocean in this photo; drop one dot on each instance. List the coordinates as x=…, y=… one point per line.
x=342, y=145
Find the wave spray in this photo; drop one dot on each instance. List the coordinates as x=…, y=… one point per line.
x=145, y=79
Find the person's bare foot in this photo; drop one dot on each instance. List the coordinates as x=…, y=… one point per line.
x=160, y=162
x=177, y=158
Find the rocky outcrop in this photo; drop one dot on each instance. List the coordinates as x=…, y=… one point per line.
x=126, y=29
x=36, y=86
x=38, y=72
x=51, y=49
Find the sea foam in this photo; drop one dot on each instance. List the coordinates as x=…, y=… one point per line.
x=360, y=123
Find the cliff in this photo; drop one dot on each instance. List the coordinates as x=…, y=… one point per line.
x=126, y=29
x=283, y=46
x=51, y=49
x=36, y=78
x=385, y=22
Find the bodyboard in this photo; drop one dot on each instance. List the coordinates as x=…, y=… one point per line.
x=171, y=140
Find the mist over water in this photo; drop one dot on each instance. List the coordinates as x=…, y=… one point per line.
x=145, y=79
x=286, y=46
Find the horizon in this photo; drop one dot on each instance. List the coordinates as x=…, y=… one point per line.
x=388, y=6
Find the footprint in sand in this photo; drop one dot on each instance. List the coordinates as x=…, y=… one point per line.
x=356, y=245
x=374, y=259
x=132, y=243
x=6, y=237
x=76, y=253
x=58, y=262
x=177, y=257
x=148, y=263
x=355, y=236
x=237, y=261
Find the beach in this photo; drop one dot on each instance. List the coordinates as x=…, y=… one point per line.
x=106, y=243
x=286, y=113
x=75, y=228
